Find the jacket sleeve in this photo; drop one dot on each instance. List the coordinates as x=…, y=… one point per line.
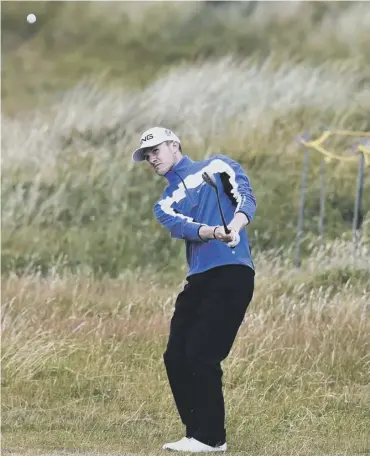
x=180, y=226
x=240, y=187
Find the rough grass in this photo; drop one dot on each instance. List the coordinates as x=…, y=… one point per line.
x=72, y=40
x=82, y=361
x=247, y=91
x=89, y=278
x=69, y=179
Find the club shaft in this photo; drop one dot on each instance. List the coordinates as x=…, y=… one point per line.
x=227, y=231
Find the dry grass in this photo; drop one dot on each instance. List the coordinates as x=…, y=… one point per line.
x=224, y=99
x=82, y=361
x=90, y=279
x=68, y=177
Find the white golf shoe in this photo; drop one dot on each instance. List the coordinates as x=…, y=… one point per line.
x=174, y=445
x=193, y=446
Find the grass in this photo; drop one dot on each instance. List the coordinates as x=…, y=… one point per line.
x=68, y=175
x=72, y=40
x=89, y=278
x=82, y=361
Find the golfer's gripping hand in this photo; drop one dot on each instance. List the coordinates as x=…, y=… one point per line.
x=232, y=239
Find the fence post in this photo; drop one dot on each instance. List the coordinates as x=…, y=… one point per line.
x=358, y=201
x=322, y=201
x=297, y=261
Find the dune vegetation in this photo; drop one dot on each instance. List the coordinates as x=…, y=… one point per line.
x=89, y=278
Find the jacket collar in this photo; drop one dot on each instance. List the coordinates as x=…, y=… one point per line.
x=180, y=170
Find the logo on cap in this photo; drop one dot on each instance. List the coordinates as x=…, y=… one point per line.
x=146, y=138
x=168, y=132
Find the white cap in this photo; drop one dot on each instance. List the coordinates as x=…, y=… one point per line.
x=153, y=137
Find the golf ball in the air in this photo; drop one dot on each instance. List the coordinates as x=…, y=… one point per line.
x=31, y=18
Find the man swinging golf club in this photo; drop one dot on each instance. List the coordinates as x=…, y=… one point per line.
x=220, y=279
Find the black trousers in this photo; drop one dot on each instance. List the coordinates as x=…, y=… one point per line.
x=208, y=313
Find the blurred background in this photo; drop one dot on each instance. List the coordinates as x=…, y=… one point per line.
x=82, y=83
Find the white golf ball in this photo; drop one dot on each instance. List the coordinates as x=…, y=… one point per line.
x=31, y=18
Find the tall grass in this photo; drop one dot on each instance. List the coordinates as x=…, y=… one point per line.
x=89, y=278
x=69, y=179
x=82, y=361
x=129, y=44
x=241, y=78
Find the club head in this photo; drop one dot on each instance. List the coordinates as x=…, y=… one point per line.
x=210, y=180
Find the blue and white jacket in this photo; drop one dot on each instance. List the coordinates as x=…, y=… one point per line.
x=188, y=202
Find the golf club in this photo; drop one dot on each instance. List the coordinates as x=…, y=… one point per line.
x=210, y=180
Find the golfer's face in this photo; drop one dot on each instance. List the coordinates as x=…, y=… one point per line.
x=161, y=158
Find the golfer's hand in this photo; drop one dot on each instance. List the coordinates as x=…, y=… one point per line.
x=235, y=239
x=232, y=239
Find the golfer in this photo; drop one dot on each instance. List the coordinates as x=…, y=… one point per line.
x=220, y=280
